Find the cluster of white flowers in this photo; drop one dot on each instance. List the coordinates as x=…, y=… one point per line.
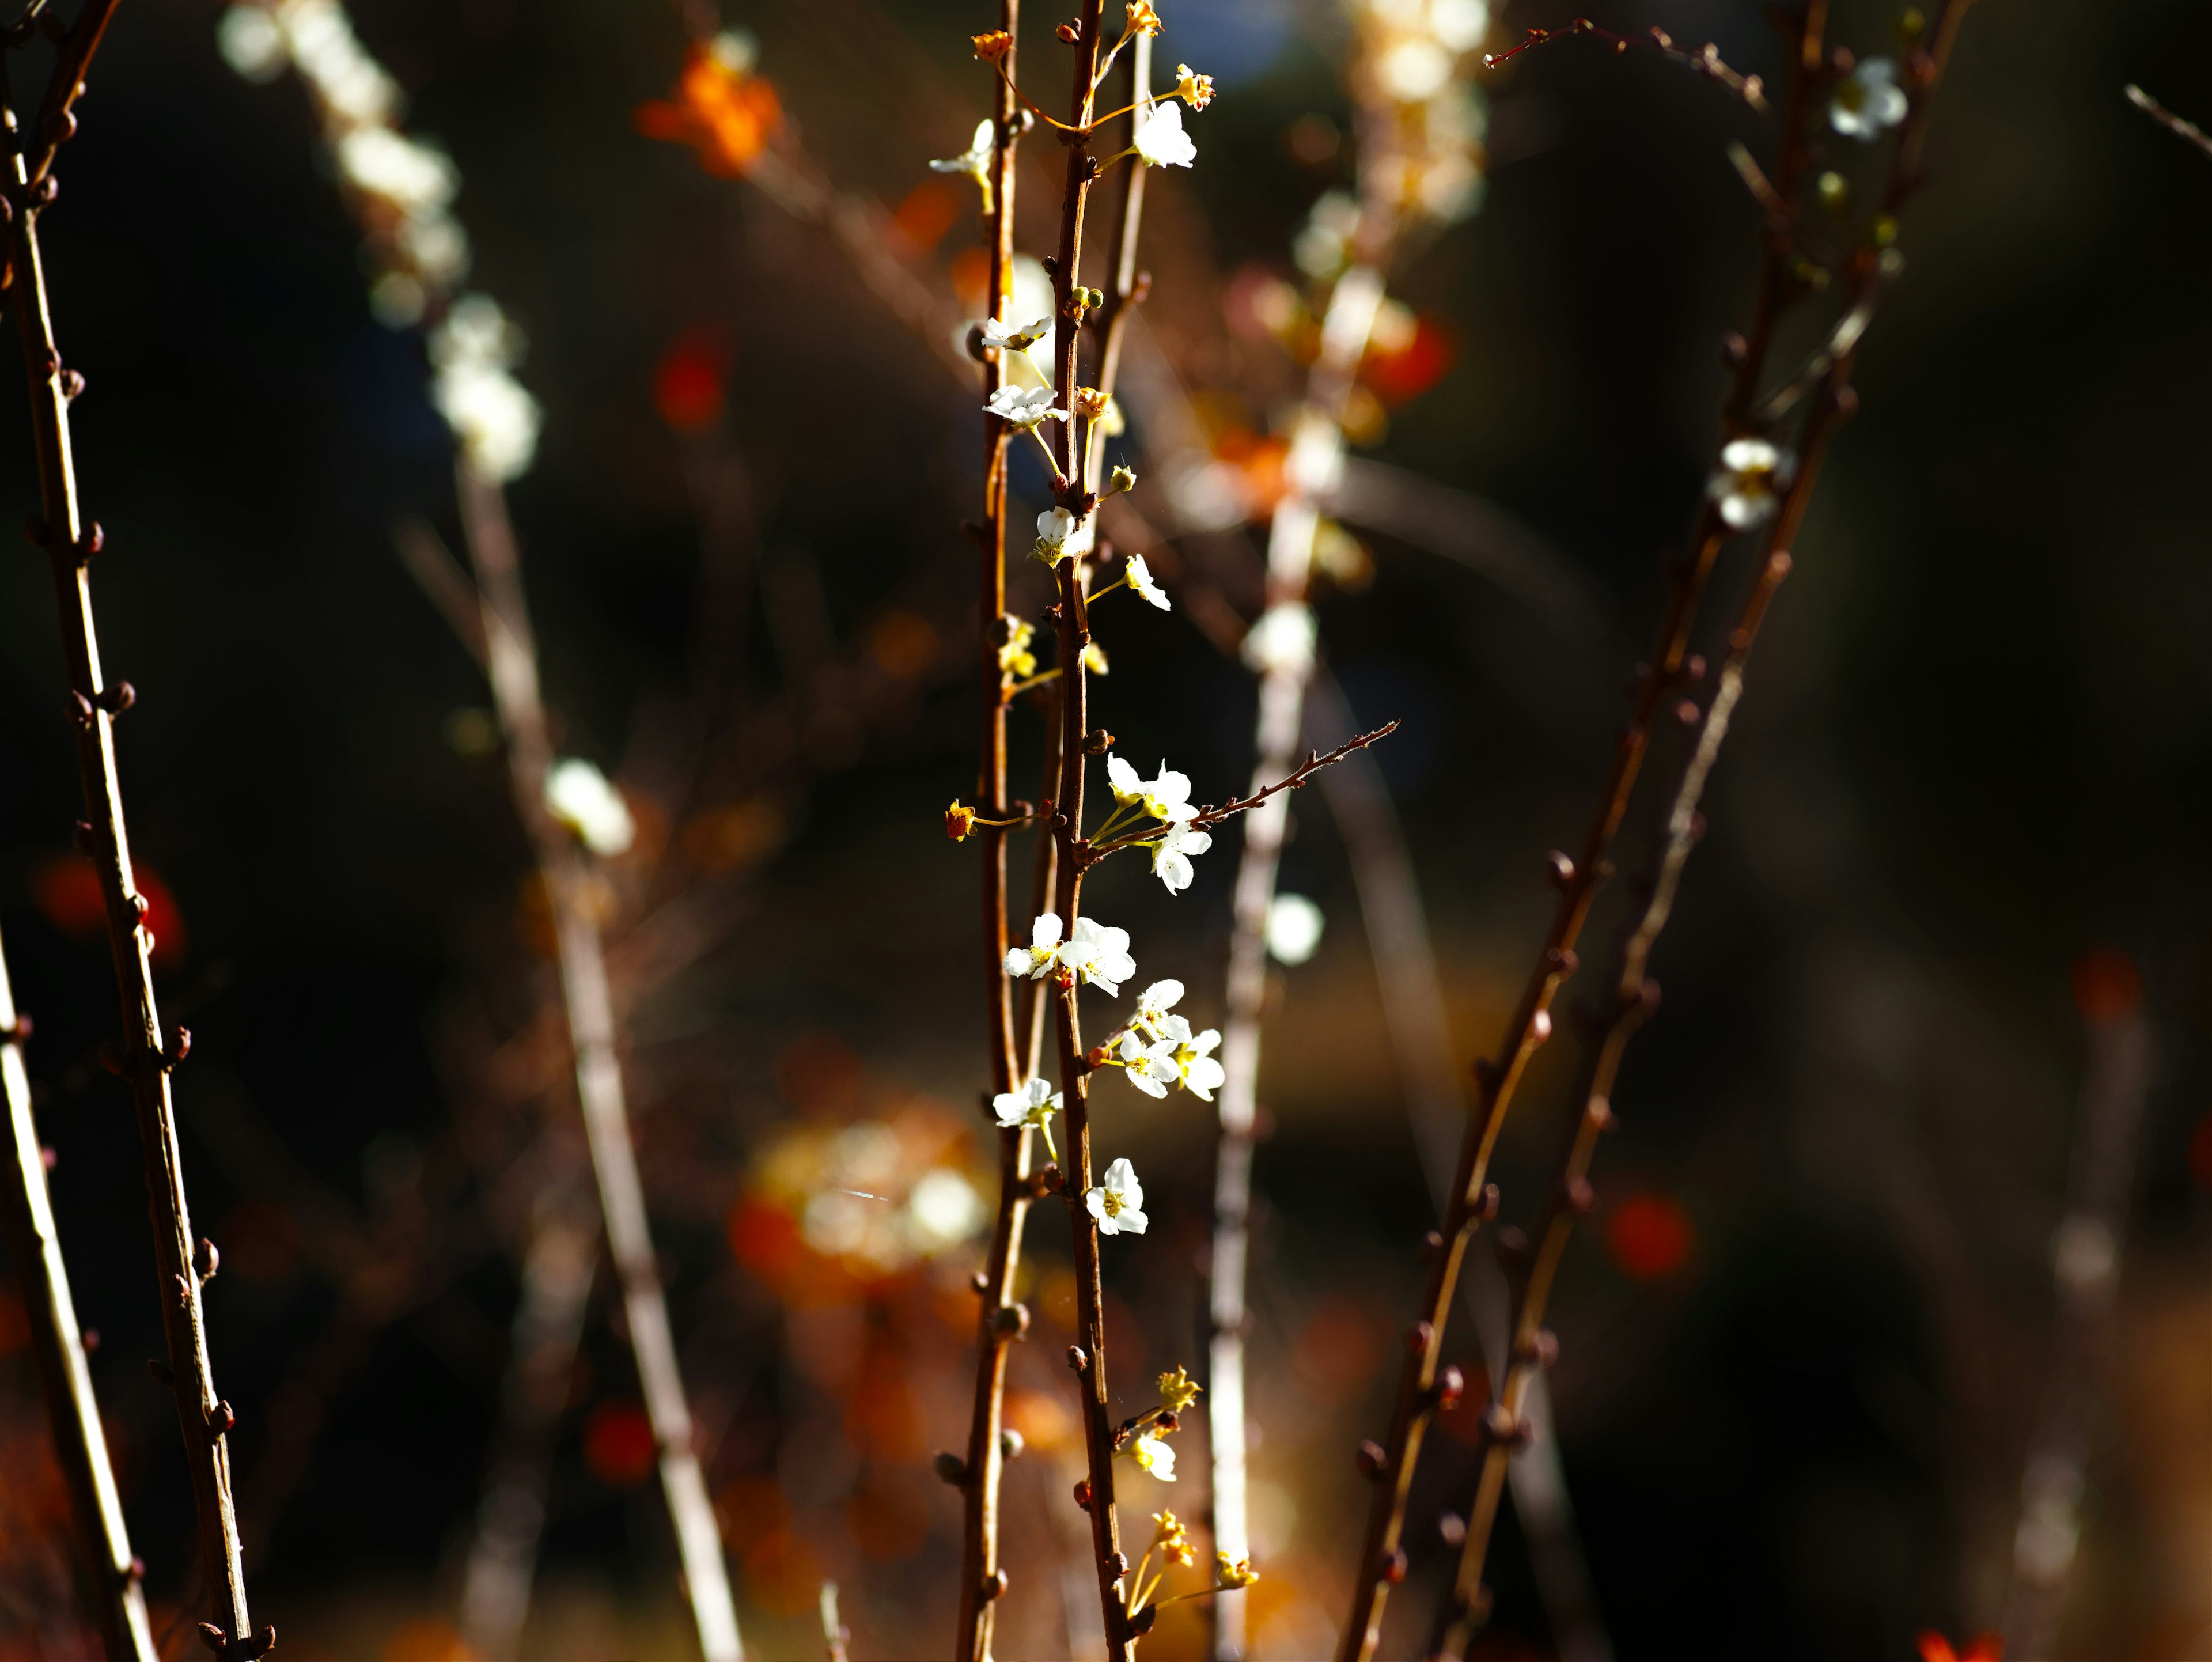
x=1094, y=953
x=583, y=800
x=1412, y=66
x=495, y=419
x=1166, y=799
x=1868, y=103
x=403, y=189
x=1160, y=1049
x=1749, y=481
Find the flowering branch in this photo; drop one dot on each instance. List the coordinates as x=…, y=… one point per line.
x=1705, y=61
x=2186, y=130
x=1089, y=853
x=1635, y=997
x=146, y=1054
x=112, y=1576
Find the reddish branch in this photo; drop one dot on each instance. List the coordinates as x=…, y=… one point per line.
x=1705, y=60
x=146, y=1054
x=1001, y=1319
x=1634, y=996
x=1671, y=669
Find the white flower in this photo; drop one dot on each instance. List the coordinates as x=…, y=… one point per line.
x=1099, y=956
x=494, y=419
x=1060, y=534
x=1167, y=797
x=413, y=177
x=579, y=796
x=1105, y=962
x=252, y=43
x=1150, y=1068
x=1283, y=640
x=1751, y=472
x=1152, y=1454
x=1870, y=101
x=944, y=1208
x=1153, y=1005
x=1171, y=855
x=1024, y=406
x=1160, y=140
x=1032, y=1103
x=1294, y=925
x=1201, y=1075
x=976, y=163
x=1013, y=338
x=1117, y=1203
x=1140, y=579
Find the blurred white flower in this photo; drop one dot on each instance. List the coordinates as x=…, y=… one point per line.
x=1118, y=1205
x=1323, y=246
x=1294, y=927
x=1140, y=579
x=414, y=177
x=1160, y=140
x=495, y=421
x=1152, y=1454
x=1024, y=406
x=944, y=1208
x=251, y=44
x=1171, y=855
x=976, y=163
x=1751, y=473
x=1868, y=103
x=581, y=798
x=1283, y=639
x=335, y=64
x=1414, y=70
x=1150, y=1068
x=1459, y=24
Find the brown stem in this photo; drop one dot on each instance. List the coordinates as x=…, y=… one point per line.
x=111, y=1575
x=1382, y=1561
x=513, y=665
x=147, y=1054
x=1000, y=1321
x=2187, y=130
x=1634, y=995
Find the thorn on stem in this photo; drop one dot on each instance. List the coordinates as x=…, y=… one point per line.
x=86, y=841
x=1432, y=1244
x=1420, y=1335
x=1083, y=1493
x=209, y=1261
x=91, y=1340
x=1012, y=1444
x=221, y=1419
x=1451, y=1530
x=1011, y=1321
x=1369, y=1455
x=1558, y=870
x=950, y=1468
x=1487, y=1207
x=994, y=1585
x=1579, y=1195
x=164, y=1376
x=1393, y=1565
x=1078, y=1358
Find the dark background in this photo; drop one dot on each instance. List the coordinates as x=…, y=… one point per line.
x=1973, y=748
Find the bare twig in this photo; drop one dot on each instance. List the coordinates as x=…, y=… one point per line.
x=2188, y=132
x=146, y=1054
x=1705, y=61
x=2086, y=1256
x=1634, y=996
x=1472, y=1200
x=1293, y=779
x=112, y=1574
x=598, y=1072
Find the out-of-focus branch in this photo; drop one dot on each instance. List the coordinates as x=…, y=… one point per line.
x=2086, y=1254
x=145, y=1054
x=111, y=1574
x=2188, y=132
x=513, y=662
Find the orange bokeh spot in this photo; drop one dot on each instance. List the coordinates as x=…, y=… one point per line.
x=1260, y=461
x=260, y=1241
x=618, y=1445
x=903, y=643
x=970, y=272
x=782, y=1574
x=1337, y=1351
x=1650, y=1236
x=2200, y=1153
x=688, y=382
x=426, y=1641
x=67, y=889
x=929, y=210
x=1934, y=1647
x=1409, y=370
x=724, y=114
x=752, y=1509
x=2106, y=988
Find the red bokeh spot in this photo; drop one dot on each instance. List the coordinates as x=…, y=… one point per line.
x=67, y=890
x=1650, y=1236
x=15, y=1325
x=687, y=383
x=2106, y=988
x=764, y=1237
x=1338, y=1350
x=970, y=272
x=260, y=1241
x=1934, y=1647
x=782, y=1574
x=2200, y=1153
x=928, y=212
x=618, y=1445
x=1413, y=368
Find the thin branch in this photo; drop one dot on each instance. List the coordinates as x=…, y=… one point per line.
x=2187, y=131
x=1294, y=779
x=1705, y=61
x=1634, y=995
x=112, y=1574
x=146, y=1054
